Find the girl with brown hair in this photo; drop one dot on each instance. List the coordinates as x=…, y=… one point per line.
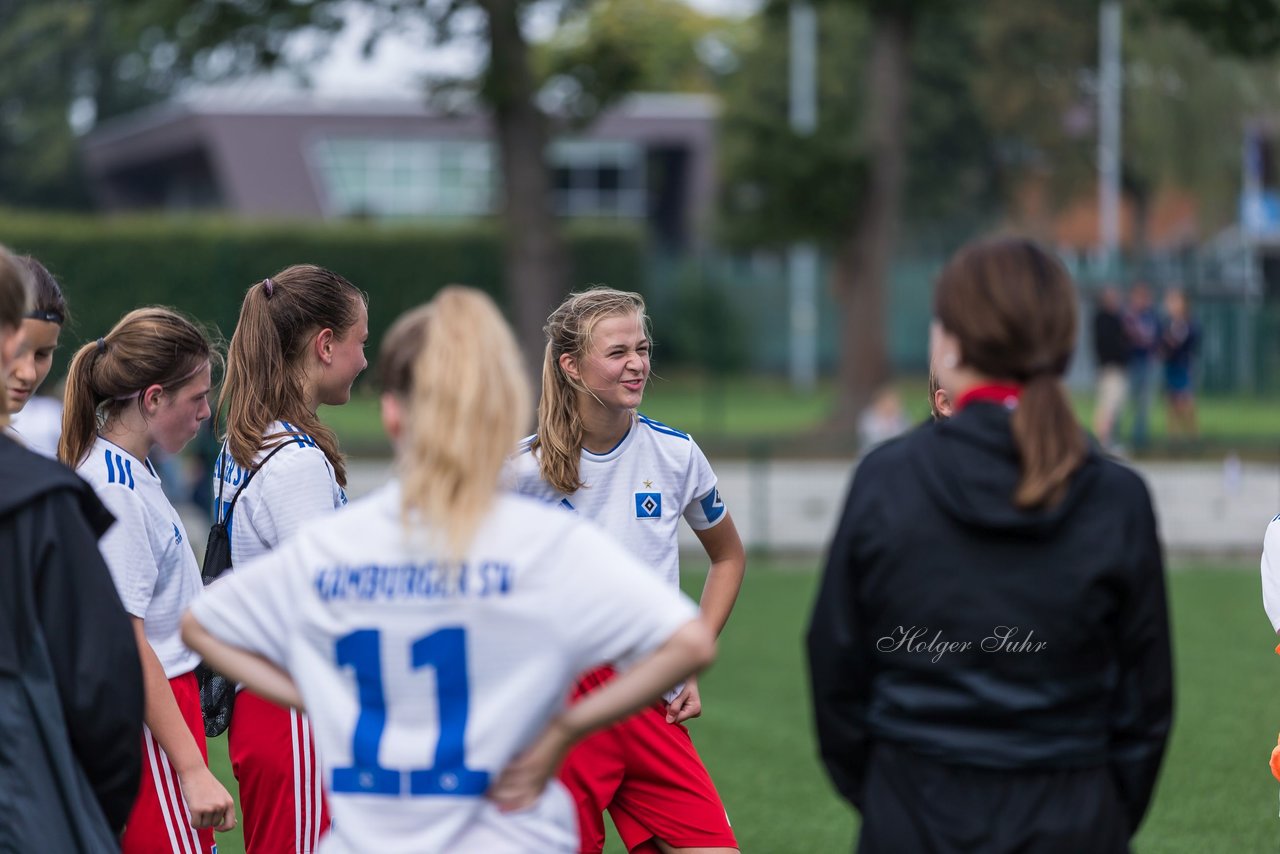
x=145, y=384
x=989, y=649
x=433, y=628
x=299, y=343
x=38, y=338
x=595, y=455
x=71, y=699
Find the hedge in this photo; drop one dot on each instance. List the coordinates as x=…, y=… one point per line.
x=203, y=266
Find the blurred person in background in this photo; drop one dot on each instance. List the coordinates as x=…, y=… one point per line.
x=989, y=649
x=1111, y=352
x=1142, y=328
x=882, y=420
x=1179, y=339
x=70, y=681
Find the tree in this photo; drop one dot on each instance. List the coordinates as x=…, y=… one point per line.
x=843, y=186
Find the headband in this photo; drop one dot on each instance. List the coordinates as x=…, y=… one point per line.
x=50, y=316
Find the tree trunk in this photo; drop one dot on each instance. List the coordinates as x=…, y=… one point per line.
x=861, y=265
x=533, y=249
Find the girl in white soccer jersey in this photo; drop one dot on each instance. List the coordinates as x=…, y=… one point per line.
x=595, y=455
x=146, y=385
x=433, y=628
x=41, y=328
x=299, y=343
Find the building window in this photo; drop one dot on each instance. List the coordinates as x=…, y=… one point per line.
x=602, y=179
x=405, y=177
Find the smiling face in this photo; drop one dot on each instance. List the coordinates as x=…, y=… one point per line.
x=36, y=342
x=615, y=366
x=173, y=417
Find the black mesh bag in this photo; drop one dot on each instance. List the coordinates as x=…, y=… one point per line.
x=217, y=693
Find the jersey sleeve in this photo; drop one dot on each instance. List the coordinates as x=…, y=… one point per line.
x=707, y=509
x=256, y=606
x=1271, y=573
x=620, y=610
x=126, y=547
x=296, y=488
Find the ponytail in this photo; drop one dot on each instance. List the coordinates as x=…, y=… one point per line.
x=1012, y=305
x=1050, y=443
x=558, y=444
x=148, y=346
x=455, y=364
x=266, y=362
x=79, y=407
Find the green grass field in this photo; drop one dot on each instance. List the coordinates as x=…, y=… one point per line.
x=1215, y=794
x=740, y=410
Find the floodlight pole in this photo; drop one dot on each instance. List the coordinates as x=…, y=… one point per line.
x=1110, y=86
x=802, y=258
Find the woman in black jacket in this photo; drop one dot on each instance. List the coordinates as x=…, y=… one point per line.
x=989, y=650
x=70, y=680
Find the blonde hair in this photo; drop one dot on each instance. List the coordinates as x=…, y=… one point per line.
x=558, y=444
x=455, y=362
x=265, y=360
x=148, y=346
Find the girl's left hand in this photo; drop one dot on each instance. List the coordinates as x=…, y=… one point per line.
x=522, y=782
x=687, y=704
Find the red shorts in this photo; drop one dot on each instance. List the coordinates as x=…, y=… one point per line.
x=649, y=777
x=274, y=759
x=160, y=820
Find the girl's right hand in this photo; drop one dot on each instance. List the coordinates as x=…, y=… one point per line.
x=208, y=800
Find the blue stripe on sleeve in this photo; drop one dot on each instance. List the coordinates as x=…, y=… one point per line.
x=128, y=467
x=111, y=472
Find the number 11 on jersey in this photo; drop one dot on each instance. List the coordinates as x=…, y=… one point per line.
x=445, y=651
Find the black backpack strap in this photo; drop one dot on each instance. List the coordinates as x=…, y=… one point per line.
x=248, y=477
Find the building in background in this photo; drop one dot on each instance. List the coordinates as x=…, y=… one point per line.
x=651, y=160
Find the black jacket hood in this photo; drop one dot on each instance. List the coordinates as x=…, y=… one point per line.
x=969, y=465
x=28, y=476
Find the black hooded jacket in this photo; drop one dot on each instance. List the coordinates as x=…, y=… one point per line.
x=71, y=701
x=968, y=631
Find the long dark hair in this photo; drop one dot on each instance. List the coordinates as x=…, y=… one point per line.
x=264, y=380
x=1012, y=305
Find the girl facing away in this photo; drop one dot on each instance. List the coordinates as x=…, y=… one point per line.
x=145, y=385
x=595, y=455
x=432, y=629
x=299, y=343
x=37, y=421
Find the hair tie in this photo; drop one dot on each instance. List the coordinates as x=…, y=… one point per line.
x=102, y=345
x=269, y=287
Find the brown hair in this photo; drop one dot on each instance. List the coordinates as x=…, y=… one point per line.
x=455, y=362
x=48, y=303
x=558, y=444
x=265, y=362
x=148, y=346
x=1012, y=305
x=15, y=290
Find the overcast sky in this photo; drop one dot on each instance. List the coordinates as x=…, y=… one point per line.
x=401, y=60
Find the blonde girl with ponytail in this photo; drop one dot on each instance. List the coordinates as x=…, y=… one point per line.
x=596, y=455
x=299, y=343
x=432, y=629
x=145, y=385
